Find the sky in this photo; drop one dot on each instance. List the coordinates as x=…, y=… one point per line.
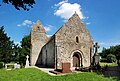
x=101, y=18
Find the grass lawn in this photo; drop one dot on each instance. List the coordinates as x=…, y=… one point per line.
x=33, y=74
x=109, y=64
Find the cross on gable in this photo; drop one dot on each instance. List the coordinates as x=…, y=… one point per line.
x=96, y=47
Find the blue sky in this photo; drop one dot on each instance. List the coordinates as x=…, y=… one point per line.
x=101, y=17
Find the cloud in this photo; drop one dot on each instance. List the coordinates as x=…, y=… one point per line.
x=49, y=35
x=65, y=9
x=48, y=27
x=26, y=23
x=87, y=17
x=109, y=43
x=106, y=45
x=88, y=23
x=62, y=2
x=18, y=25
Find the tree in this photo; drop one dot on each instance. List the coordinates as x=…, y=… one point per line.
x=25, y=49
x=112, y=49
x=105, y=52
x=117, y=53
x=20, y=3
x=11, y=52
x=115, y=50
x=111, y=58
x=6, y=46
x=16, y=53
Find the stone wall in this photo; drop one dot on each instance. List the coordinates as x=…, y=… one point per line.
x=48, y=53
x=66, y=42
x=38, y=40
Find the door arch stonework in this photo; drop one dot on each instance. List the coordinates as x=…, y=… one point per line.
x=76, y=58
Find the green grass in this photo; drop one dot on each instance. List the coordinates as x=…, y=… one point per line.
x=33, y=74
x=109, y=64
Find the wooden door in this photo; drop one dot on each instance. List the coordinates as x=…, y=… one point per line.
x=76, y=60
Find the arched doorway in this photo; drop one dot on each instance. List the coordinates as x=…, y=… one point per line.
x=77, y=60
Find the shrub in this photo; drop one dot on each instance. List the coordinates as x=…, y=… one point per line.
x=103, y=60
x=111, y=58
x=1, y=64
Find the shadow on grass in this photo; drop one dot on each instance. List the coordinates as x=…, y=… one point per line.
x=113, y=72
x=109, y=72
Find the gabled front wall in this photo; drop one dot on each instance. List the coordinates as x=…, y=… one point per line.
x=66, y=44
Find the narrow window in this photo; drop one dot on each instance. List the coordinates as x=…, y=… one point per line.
x=77, y=40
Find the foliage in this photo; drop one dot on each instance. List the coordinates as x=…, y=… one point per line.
x=115, y=50
x=20, y=3
x=16, y=53
x=33, y=74
x=6, y=46
x=102, y=64
x=105, y=52
x=111, y=58
x=10, y=52
x=25, y=49
x=1, y=64
x=20, y=52
x=103, y=60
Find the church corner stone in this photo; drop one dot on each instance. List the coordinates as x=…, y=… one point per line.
x=72, y=44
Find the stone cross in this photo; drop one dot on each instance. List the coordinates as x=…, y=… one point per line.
x=27, y=62
x=96, y=48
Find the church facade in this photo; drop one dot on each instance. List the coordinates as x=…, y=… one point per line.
x=72, y=44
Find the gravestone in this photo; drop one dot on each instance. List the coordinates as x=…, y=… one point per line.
x=27, y=62
x=9, y=66
x=16, y=66
x=12, y=66
x=66, y=68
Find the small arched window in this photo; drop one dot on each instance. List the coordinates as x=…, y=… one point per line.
x=38, y=28
x=77, y=39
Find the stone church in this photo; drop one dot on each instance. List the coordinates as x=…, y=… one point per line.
x=71, y=44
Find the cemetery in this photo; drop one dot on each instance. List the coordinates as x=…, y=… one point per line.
x=59, y=40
